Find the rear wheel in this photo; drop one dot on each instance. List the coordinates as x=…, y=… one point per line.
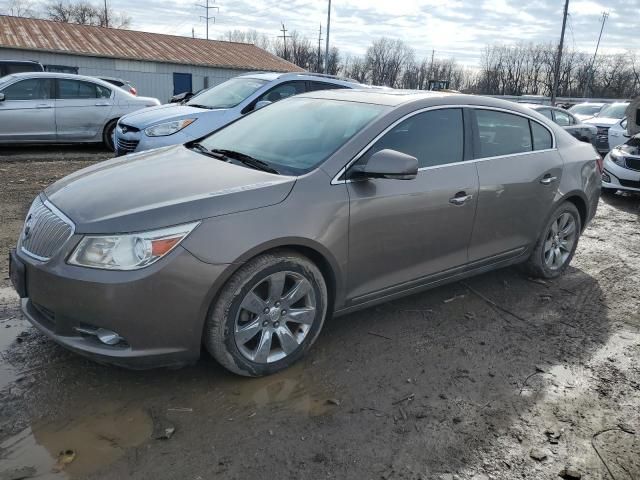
x=107, y=136
x=268, y=314
x=557, y=244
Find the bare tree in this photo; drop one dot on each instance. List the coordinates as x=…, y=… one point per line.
x=19, y=8
x=85, y=13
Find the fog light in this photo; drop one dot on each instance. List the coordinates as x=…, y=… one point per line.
x=606, y=178
x=108, y=337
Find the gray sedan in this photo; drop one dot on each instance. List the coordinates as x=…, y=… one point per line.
x=571, y=123
x=319, y=205
x=62, y=108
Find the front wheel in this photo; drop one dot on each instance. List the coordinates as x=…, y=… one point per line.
x=268, y=315
x=557, y=244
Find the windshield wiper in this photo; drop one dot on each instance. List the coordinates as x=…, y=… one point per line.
x=197, y=105
x=244, y=159
x=204, y=150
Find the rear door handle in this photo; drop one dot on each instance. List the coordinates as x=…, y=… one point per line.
x=460, y=199
x=548, y=179
x=103, y=104
x=44, y=105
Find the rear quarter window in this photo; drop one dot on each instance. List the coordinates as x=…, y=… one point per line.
x=542, y=139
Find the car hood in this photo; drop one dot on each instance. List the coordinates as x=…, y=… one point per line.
x=160, y=188
x=165, y=113
x=602, y=121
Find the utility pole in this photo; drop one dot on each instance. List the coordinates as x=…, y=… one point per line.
x=106, y=14
x=319, y=50
x=556, y=78
x=284, y=40
x=605, y=16
x=326, y=50
x=208, y=17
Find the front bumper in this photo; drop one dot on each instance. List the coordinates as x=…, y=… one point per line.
x=620, y=178
x=133, y=141
x=158, y=311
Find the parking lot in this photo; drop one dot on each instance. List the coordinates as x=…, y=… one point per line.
x=500, y=376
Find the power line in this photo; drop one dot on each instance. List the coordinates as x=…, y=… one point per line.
x=208, y=17
x=605, y=16
x=556, y=80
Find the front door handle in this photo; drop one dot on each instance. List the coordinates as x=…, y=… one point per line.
x=548, y=179
x=460, y=199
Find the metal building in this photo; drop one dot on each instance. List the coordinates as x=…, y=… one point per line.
x=158, y=65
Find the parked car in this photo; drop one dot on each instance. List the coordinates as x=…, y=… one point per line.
x=183, y=97
x=321, y=204
x=622, y=167
x=586, y=110
x=582, y=131
x=62, y=108
x=618, y=134
x=213, y=108
x=608, y=117
x=124, y=84
x=7, y=67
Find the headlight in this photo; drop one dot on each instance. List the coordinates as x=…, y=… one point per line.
x=617, y=158
x=169, y=128
x=128, y=252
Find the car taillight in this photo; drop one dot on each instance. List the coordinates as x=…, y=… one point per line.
x=600, y=163
x=133, y=91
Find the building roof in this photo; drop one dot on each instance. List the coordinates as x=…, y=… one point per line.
x=57, y=37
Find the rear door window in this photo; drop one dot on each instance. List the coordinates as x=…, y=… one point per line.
x=284, y=90
x=315, y=86
x=78, y=89
x=546, y=112
x=500, y=133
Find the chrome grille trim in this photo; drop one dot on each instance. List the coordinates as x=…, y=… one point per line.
x=127, y=146
x=49, y=231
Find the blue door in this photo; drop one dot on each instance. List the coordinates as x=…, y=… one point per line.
x=181, y=83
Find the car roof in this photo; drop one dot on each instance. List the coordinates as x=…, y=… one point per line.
x=595, y=104
x=424, y=99
x=271, y=76
x=21, y=62
x=71, y=76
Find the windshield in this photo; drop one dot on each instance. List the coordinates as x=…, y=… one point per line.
x=615, y=110
x=5, y=79
x=295, y=135
x=227, y=94
x=585, y=109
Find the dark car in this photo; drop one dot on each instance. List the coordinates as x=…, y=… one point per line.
x=124, y=84
x=246, y=240
x=7, y=67
x=572, y=124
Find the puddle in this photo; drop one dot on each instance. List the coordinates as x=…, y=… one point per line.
x=97, y=440
x=290, y=390
x=11, y=325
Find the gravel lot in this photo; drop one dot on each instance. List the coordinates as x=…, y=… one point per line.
x=468, y=381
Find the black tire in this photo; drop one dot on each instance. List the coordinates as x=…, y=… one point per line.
x=536, y=265
x=219, y=332
x=107, y=135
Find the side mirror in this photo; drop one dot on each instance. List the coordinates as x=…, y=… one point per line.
x=389, y=164
x=1, y=97
x=262, y=104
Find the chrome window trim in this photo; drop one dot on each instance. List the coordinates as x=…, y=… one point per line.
x=61, y=215
x=554, y=146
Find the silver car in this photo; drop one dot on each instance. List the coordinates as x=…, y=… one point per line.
x=214, y=108
x=62, y=108
x=571, y=123
x=319, y=205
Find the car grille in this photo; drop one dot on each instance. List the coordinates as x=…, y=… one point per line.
x=633, y=163
x=127, y=146
x=629, y=183
x=602, y=138
x=44, y=232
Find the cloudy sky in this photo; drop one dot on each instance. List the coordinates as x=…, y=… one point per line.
x=460, y=29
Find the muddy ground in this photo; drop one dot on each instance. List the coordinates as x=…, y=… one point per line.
x=469, y=380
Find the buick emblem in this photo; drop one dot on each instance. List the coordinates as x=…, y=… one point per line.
x=27, y=227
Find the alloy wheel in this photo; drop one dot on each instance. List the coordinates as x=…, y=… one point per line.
x=560, y=240
x=275, y=317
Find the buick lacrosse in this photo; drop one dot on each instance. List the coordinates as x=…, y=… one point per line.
x=247, y=240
